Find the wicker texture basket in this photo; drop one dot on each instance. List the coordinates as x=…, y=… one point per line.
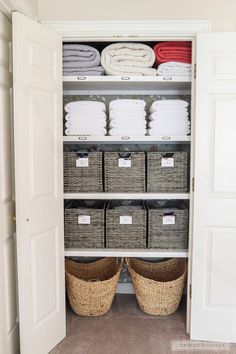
x=84, y=224
x=167, y=179
x=126, y=235
x=83, y=179
x=158, y=286
x=124, y=179
x=91, y=287
x=165, y=236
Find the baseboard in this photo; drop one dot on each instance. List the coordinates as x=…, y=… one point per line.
x=125, y=288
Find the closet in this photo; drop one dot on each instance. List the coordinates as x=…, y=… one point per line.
x=39, y=90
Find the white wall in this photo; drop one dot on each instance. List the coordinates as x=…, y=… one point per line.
x=222, y=13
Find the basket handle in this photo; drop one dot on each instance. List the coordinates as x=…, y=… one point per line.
x=167, y=154
x=125, y=155
x=81, y=153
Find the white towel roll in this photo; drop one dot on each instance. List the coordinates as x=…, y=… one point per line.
x=74, y=106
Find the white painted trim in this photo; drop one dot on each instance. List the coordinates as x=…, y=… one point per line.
x=127, y=30
x=125, y=288
x=22, y=6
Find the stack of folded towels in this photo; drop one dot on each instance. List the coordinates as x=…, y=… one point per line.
x=128, y=59
x=173, y=58
x=169, y=118
x=80, y=59
x=127, y=117
x=85, y=118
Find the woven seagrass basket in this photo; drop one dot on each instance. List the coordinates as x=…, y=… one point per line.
x=162, y=178
x=79, y=178
x=120, y=179
x=91, y=287
x=82, y=233
x=158, y=285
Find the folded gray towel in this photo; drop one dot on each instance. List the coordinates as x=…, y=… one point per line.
x=94, y=71
x=83, y=55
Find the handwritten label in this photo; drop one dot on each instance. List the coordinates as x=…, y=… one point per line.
x=126, y=220
x=84, y=219
x=124, y=163
x=82, y=162
x=168, y=220
x=167, y=162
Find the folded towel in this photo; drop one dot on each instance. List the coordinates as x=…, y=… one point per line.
x=85, y=131
x=128, y=59
x=94, y=71
x=128, y=104
x=168, y=131
x=168, y=105
x=168, y=124
x=169, y=116
x=76, y=105
x=84, y=55
x=173, y=51
x=127, y=131
x=80, y=115
x=85, y=124
x=127, y=124
x=174, y=68
x=123, y=115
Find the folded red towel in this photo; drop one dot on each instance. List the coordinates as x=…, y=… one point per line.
x=173, y=51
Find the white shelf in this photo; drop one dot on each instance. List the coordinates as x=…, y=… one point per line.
x=125, y=139
x=71, y=83
x=93, y=252
x=136, y=196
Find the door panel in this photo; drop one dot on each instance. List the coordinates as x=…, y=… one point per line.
x=9, y=335
x=39, y=186
x=213, y=311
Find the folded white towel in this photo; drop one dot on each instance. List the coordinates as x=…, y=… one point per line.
x=128, y=59
x=127, y=131
x=127, y=124
x=127, y=103
x=115, y=115
x=168, y=132
x=169, y=124
x=174, y=104
x=173, y=68
x=88, y=131
x=86, y=116
x=76, y=105
x=85, y=124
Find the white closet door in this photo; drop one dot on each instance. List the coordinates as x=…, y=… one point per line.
x=9, y=336
x=37, y=82
x=213, y=314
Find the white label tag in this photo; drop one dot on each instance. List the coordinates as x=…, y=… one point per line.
x=126, y=219
x=82, y=162
x=167, y=162
x=84, y=219
x=168, y=220
x=124, y=163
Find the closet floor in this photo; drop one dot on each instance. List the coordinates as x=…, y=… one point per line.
x=125, y=329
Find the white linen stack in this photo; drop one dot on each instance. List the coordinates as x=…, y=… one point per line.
x=85, y=118
x=127, y=117
x=169, y=118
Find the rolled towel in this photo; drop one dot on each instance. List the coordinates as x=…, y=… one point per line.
x=174, y=68
x=165, y=124
x=132, y=59
x=127, y=104
x=76, y=105
x=85, y=124
x=173, y=51
x=123, y=115
x=169, y=116
x=76, y=71
x=84, y=55
x=127, y=124
x=168, y=131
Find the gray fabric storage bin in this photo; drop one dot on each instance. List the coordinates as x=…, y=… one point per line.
x=124, y=179
x=84, y=224
x=126, y=224
x=162, y=232
x=83, y=179
x=162, y=178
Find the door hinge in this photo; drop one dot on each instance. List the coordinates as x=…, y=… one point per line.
x=190, y=291
x=195, y=71
x=193, y=184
